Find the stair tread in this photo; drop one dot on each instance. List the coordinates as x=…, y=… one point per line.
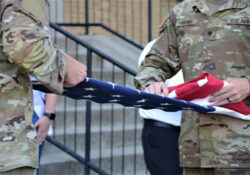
x=63, y=157
x=96, y=129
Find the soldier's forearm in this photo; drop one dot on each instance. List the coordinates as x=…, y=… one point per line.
x=32, y=51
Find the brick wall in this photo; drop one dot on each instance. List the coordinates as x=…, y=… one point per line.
x=128, y=17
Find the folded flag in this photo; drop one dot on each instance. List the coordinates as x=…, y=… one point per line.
x=105, y=92
x=199, y=91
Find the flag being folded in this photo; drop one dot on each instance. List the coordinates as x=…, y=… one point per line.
x=200, y=87
x=199, y=91
x=182, y=97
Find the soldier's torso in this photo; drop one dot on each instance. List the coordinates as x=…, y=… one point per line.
x=219, y=44
x=18, y=143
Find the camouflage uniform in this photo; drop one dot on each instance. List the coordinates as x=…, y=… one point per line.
x=26, y=49
x=197, y=41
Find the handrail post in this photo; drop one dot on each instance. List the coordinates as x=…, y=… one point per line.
x=149, y=20
x=87, y=17
x=88, y=117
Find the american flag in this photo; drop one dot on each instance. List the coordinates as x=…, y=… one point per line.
x=106, y=92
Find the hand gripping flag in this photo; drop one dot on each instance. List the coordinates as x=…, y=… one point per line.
x=184, y=96
x=199, y=91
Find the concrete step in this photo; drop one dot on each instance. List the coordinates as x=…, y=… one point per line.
x=128, y=160
x=54, y=160
x=117, y=48
x=110, y=45
x=104, y=137
x=105, y=115
x=117, y=76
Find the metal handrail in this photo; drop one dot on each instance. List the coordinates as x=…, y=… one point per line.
x=76, y=156
x=92, y=49
x=132, y=42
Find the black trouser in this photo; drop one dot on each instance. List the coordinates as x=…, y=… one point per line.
x=160, y=145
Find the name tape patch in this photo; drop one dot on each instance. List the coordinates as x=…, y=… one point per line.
x=186, y=22
x=241, y=21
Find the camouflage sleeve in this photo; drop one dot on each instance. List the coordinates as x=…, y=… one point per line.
x=162, y=61
x=27, y=44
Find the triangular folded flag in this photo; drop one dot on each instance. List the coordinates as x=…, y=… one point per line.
x=105, y=92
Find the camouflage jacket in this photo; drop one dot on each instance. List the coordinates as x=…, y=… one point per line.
x=197, y=41
x=25, y=49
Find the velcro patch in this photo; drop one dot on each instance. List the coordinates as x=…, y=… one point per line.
x=186, y=22
x=239, y=21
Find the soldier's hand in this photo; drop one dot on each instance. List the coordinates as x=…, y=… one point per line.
x=43, y=125
x=158, y=88
x=236, y=90
x=76, y=72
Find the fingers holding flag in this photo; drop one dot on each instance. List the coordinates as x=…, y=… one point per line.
x=158, y=88
x=237, y=90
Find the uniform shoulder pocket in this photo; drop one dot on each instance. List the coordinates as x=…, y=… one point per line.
x=36, y=9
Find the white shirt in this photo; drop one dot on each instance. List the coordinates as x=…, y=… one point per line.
x=173, y=118
x=38, y=101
